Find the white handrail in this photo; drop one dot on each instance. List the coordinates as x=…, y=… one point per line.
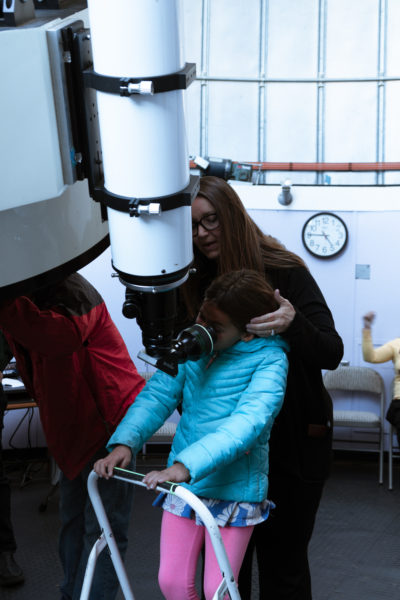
x=228, y=583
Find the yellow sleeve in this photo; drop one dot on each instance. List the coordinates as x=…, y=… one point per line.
x=375, y=355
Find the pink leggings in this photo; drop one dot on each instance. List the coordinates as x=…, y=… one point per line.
x=180, y=546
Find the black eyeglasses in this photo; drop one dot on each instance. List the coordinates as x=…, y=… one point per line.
x=208, y=222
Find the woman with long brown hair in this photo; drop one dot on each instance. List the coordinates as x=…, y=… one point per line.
x=225, y=239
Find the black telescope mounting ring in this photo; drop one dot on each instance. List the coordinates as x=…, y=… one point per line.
x=132, y=205
x=120, y=85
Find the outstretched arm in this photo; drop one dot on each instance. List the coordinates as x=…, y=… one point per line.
x=371, y=354
x=368, y=319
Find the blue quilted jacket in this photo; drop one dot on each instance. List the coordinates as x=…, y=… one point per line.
x=228, y=407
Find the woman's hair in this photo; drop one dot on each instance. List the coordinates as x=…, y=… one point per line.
x=242, y=295
x=242, y=243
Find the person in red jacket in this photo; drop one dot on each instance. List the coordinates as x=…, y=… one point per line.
x=74, y=363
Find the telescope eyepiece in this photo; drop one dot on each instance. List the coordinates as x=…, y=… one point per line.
x=193, y=342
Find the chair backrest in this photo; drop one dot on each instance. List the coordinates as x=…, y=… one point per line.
x=359, y=379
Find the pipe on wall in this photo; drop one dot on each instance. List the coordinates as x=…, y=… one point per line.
x=319, y=166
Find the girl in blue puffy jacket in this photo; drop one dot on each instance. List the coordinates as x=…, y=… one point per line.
x=220, y=451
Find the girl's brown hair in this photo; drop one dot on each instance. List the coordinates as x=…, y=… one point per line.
x=242, y=295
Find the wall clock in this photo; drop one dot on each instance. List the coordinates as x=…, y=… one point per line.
x=324, y=235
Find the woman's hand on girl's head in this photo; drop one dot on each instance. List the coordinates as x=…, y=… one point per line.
x=120, y=456
x=275, y=322
x=177, y=473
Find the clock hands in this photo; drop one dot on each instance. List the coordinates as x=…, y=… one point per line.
x=326, y=236
x=323, y=234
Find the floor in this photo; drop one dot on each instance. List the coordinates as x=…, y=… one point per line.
x=354, y=554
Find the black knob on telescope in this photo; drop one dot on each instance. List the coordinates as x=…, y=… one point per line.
x=131, y=308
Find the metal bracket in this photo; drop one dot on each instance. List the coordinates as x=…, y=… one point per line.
x=83, y=84
x=139, y=206
x=17, y=12
x=127, y=86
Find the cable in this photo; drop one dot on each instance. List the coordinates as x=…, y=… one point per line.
x=29, y=411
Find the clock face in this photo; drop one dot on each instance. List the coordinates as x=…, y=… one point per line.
x=324, y=235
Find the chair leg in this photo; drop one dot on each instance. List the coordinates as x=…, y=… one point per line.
x=381, y=450
x=390, y=466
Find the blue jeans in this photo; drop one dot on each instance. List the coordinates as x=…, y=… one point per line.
x=80, y=530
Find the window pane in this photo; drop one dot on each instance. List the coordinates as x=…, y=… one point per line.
x=291, y=122
x=352, y=38
x=233, y=126
x=234, y=38
x=192, y=31
x=192, y=117
x=393, y=39
x=392, y=130
x=298, y=177
x=349, y=178
x=292, y=39
x=350, y=122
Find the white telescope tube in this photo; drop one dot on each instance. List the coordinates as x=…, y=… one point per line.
x=143, y=137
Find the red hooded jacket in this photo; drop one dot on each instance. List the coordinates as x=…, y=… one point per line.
x=74, y=363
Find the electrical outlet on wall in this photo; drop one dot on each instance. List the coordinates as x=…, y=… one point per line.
x=363, y=271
